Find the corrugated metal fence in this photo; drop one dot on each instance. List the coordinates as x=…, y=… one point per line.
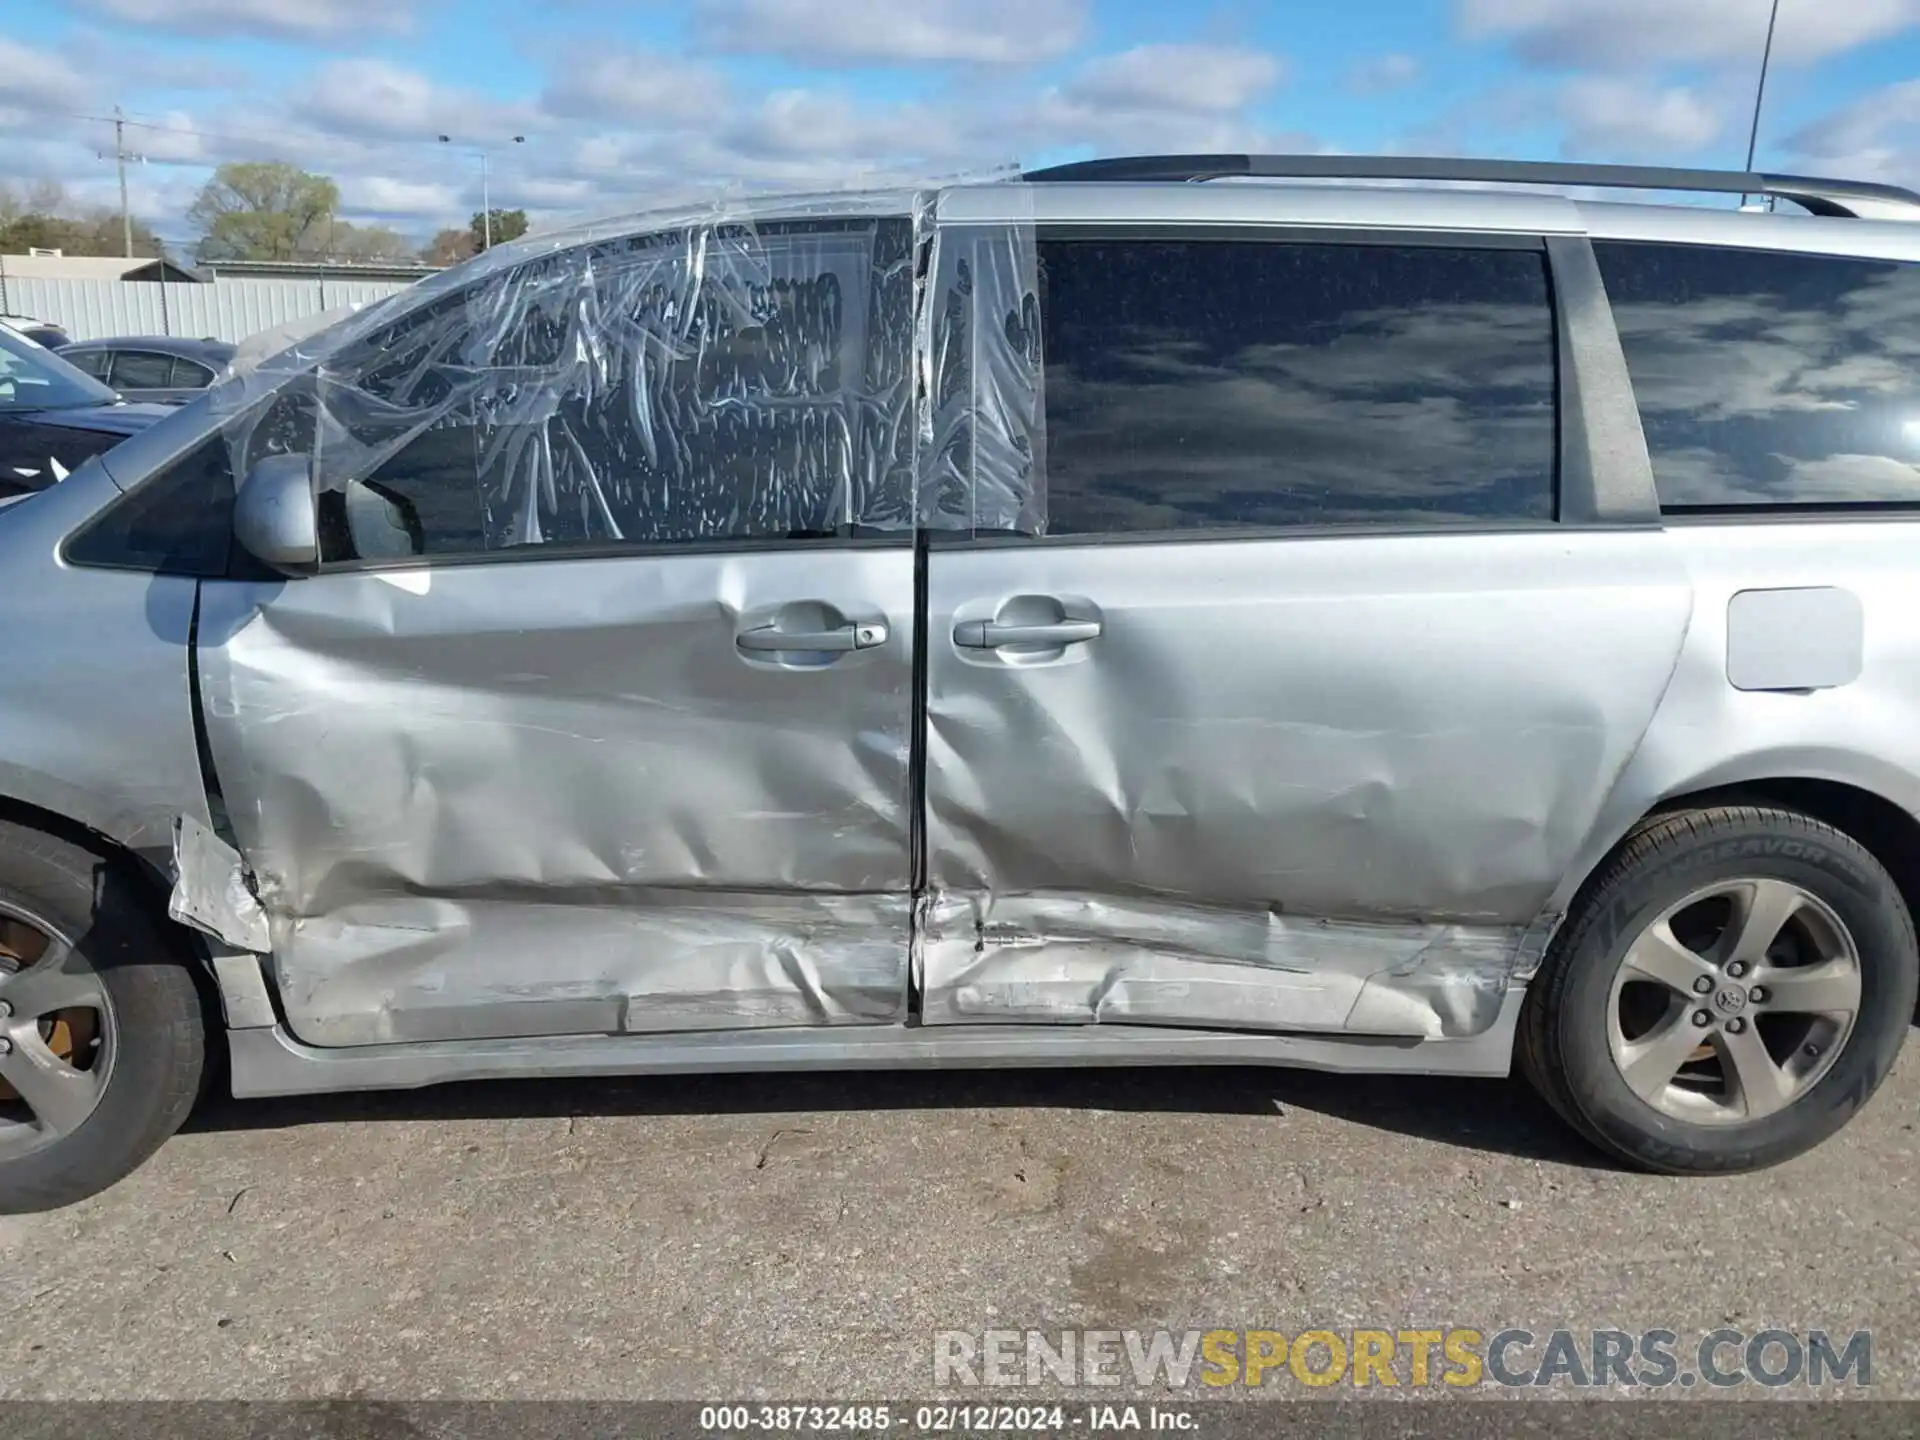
x=219, y=309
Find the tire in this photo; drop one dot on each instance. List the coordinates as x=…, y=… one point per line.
x=1573, y=1044
x=152, y=1029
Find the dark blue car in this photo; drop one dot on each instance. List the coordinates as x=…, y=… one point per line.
x=53, y=417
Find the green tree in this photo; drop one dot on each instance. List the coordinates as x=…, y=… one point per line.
x=449, y=247
x=367, y=243
x=44, y=218
x=507, y=225
x=264, y=210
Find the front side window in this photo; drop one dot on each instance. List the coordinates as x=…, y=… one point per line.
x=33, y=378
x=1771, y=380
x=719, y=384
x=1225, y=384
x=93, y=362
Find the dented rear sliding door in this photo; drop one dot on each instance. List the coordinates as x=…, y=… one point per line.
x=1286, y=694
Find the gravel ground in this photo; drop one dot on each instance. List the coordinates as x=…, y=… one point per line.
x=805, y=1236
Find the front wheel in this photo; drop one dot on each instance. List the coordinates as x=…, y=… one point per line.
x=101, y=1029
x=1731, y=988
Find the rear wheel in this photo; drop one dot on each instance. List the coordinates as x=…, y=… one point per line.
x=1732, y=987
x=101, y=1030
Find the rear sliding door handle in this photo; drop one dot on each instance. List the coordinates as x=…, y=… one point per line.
x=986, y=635
x=844, y=637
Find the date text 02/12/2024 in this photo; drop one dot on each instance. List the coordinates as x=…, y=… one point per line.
x=944, y=1418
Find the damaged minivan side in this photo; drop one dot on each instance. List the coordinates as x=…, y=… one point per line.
x=1095, y=618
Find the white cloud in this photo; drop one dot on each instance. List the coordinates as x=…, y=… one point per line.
x=276, y=19
x=828, y=126
x=1584, y=34
x=1877, y=137
x=374, y=98
x=1153, y=98
x=633, y=85
x=1613, y=118
x=989, y=32
x=30, y=77
x=1189, y=79
x=615, y=130
x=1383, y=73
x=170, y=139
x=387, y=198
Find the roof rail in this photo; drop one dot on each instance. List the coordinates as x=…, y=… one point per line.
x=1822, y=197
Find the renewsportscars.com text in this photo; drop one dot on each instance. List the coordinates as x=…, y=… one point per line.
x=1452, y=1357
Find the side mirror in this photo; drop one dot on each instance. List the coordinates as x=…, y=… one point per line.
x=273, y=515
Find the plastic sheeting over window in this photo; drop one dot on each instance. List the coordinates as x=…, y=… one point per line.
x=700, y=379
x=985, y=453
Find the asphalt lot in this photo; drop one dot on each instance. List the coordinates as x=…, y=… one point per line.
x=805, y=1236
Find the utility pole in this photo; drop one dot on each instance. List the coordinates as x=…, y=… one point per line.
x=120, y=159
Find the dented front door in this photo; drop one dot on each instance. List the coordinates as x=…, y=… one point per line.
x=544, y=797
x=595, y=717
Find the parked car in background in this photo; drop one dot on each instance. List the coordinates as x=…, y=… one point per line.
x=41, y=332
x=168, y=369
x=1104, y=618
x=54, y=417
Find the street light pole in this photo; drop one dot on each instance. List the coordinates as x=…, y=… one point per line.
x=486, y=187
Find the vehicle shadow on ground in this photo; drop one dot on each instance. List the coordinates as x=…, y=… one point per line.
x=1489, y=1115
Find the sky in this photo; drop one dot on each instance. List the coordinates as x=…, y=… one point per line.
x=624, y=104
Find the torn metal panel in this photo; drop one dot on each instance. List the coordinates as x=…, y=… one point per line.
x=402, y=968
x=1077, y=959
x=211, y=889
x=244, y=997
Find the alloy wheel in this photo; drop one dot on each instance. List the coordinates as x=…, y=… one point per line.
x=1734, y=1003
x=56, y=1034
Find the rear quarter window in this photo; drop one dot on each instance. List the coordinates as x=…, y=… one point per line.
x=1769, y=380
x=190, y=375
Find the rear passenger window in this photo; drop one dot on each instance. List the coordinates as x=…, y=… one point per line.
x=141, y=370
x=1770, y=380
x=1216, y=384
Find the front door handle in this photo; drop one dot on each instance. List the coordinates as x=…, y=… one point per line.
x=987, y=635
x=842, y=637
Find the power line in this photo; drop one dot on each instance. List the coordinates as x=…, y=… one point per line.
x=255, y=141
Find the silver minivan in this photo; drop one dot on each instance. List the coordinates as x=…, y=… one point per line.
x=1094, y=618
